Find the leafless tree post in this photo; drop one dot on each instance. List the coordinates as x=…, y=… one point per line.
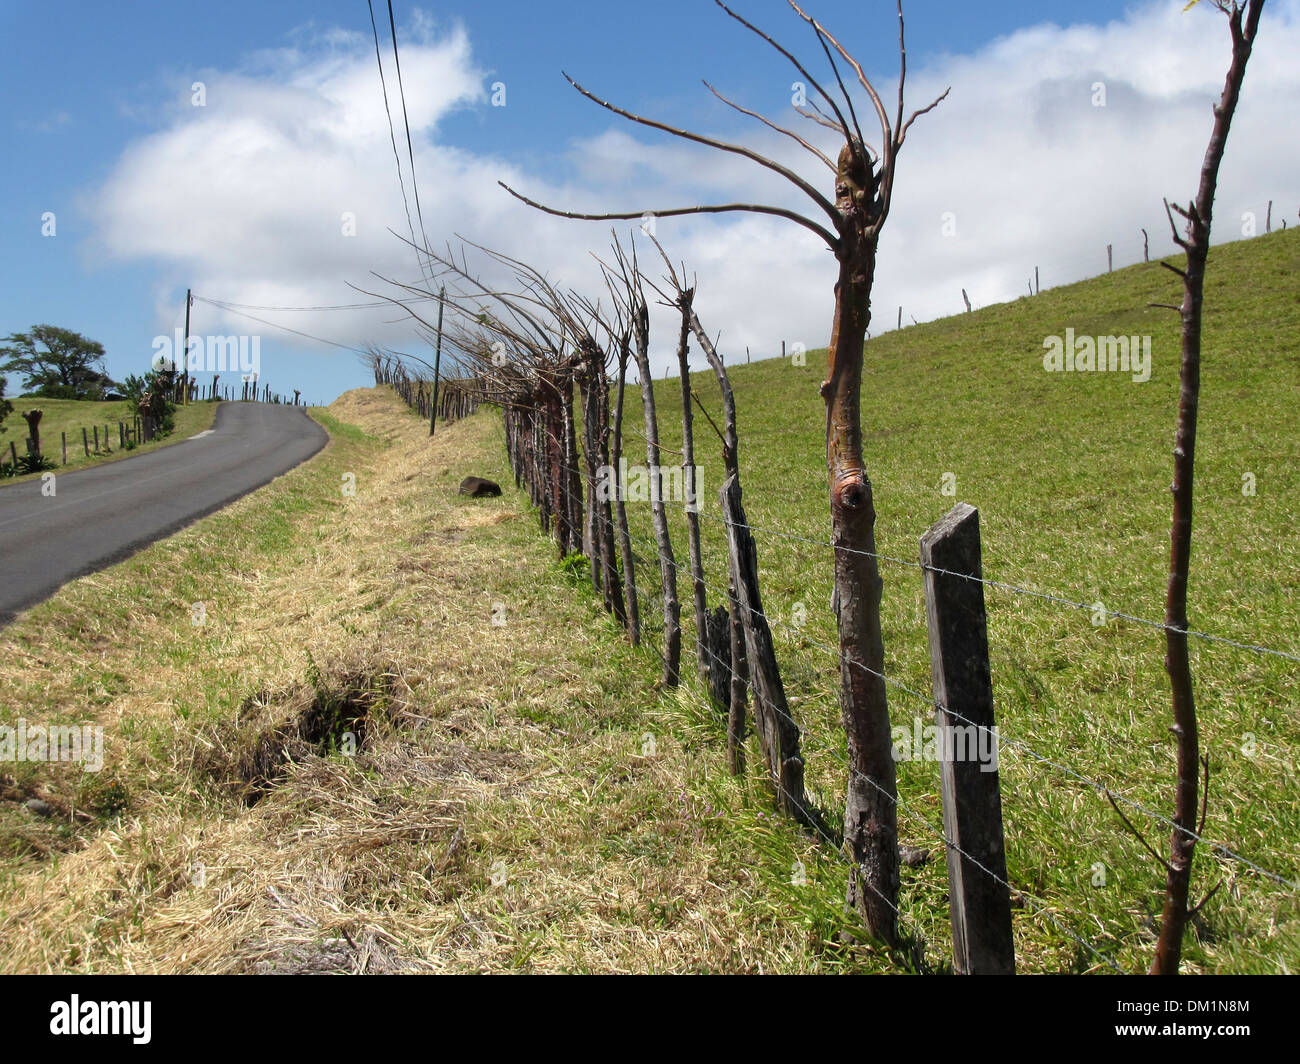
x=1243, y=23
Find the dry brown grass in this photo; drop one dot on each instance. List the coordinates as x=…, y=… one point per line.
x=502, y=810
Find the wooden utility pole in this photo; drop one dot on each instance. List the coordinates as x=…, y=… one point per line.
x=437, y=365
x=185, y=349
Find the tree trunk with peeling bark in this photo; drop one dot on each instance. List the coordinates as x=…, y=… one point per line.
x=870, y=816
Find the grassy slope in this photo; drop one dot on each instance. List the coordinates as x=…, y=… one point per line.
x=514, y=813
x=71, y=416
x=1071, y=474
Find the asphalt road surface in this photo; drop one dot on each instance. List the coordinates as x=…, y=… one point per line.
x=100, y=515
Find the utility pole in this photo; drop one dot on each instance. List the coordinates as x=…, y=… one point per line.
x=185, y=349
x=437, y=363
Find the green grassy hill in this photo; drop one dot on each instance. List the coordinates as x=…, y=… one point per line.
x=1071, y=474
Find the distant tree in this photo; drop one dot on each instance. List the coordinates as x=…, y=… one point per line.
x=56, y=363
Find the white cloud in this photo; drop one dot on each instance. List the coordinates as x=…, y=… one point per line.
x=244, y=197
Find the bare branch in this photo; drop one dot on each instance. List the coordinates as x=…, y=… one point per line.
x=1136, y=834
x=805, y=187
x=772, y=125
x=843, y=125
x=885, y=128
x=923, y=111
x=752, y=208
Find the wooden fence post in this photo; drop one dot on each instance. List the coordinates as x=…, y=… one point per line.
x=1036, y=288
x=778, y=734
x=13, y=453
x=65, y=447
x=96, y=439
x=980, y=899
x=966, y=300
x=85, y=441
x=1110, y=258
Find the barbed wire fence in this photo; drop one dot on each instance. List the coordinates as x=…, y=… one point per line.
x=1048, y=910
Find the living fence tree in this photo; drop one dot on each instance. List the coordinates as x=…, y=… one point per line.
x=863, y=192
x=631, y=295
x=33, y=419
x=751, y=650
x=1243, y=24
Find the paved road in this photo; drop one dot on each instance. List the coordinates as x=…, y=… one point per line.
x=103, y=514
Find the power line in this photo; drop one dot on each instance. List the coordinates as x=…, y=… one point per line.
x=297, y=332
x=415, y=184
x=392, y=135
x=376, y=304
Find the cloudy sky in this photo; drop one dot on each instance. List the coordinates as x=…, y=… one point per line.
x=1060, y=136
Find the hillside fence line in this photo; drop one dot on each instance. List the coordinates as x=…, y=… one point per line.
x=561, y=388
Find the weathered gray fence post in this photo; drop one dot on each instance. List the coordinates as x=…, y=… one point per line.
x=982, y=942
x=13, y=453
x=65, y=447
x=778, y=734
x=85, y=441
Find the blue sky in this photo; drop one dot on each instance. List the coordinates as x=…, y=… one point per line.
x=242, y=198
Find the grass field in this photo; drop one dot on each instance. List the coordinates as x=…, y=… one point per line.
x=522, y=797
x=1071, y=474
x=71, y=416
